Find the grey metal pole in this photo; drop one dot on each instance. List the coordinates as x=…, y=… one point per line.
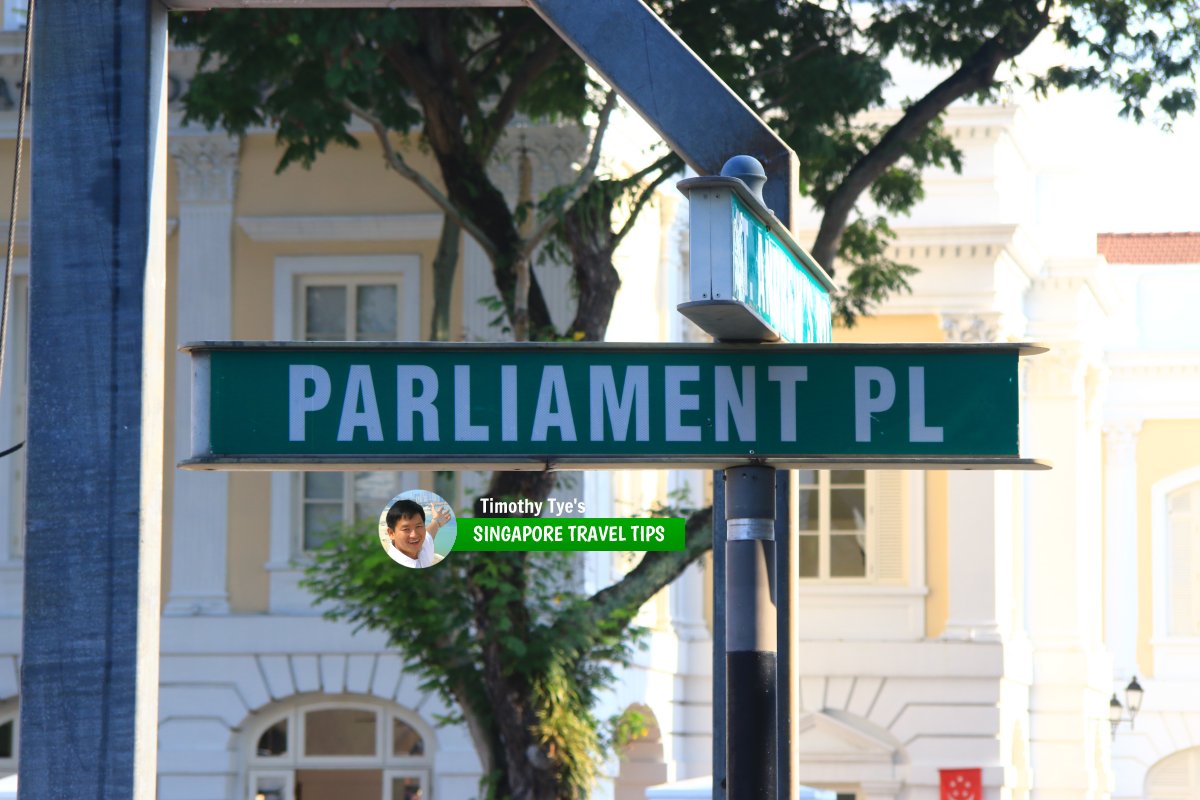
x=751, y=659
x=89, y=673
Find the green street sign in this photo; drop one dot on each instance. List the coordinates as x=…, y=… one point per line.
x=280, y=405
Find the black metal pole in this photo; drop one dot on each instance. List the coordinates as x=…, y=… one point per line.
x=751, y=653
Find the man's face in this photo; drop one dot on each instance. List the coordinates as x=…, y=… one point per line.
x=408, y=535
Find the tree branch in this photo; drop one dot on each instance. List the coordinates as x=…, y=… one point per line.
x=975, y=74
x=794, y=58
x=532, y=69
x=504, y=43
x=397, y=162
x=462, y=80
x=577, y=186
x=656, y=570
x=643, y=198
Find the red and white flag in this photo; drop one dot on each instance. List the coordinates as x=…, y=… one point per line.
x=962, y=784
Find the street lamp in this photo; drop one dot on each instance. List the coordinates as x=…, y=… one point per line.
x=1133, y=700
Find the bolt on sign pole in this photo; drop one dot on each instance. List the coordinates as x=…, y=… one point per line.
x=89, y=659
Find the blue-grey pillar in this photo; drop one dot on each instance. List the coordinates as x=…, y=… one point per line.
x=89, y=675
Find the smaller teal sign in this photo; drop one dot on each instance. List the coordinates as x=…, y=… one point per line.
x=749, y=279
x=770, y=278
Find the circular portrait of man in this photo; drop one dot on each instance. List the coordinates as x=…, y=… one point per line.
x=417, y=528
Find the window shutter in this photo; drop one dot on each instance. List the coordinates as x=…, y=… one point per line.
x=888, y=514
x=1183, y=615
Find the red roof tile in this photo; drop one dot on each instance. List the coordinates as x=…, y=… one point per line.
x=1149, y=248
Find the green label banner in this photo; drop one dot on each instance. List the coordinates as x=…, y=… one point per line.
x=568, y=533
x=436, y=406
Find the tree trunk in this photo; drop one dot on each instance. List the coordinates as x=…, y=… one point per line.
x=445, y=264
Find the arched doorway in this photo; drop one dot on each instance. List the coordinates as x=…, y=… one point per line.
x=1176, y=777
x=642, y=762
x=326, y=749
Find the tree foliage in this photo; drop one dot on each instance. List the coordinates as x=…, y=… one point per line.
x=814, y=69
x=451, y=82
x=510, y=640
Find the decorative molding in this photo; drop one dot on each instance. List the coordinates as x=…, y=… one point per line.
x=555, y=153
x=1091, y=274
x=1120, y=440
x=844, y=749
x=207, y=167
x=360, y=228
x=822, y=738
x=861, y=613
x=972, y=327
x=954, y=251
x=1164, y=371
x=1058, y=373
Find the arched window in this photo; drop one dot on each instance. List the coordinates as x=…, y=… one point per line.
x=339, y=751
x=1176, y=777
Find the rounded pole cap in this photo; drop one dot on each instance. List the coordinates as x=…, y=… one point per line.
x=749, y=170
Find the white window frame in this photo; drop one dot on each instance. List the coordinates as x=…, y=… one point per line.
x=825, y=532
x=420, y=774
x=873, y=608
x=407, y=480
x=1174, y=656
x=337, y=762
x=286, y=776
x=287, y=556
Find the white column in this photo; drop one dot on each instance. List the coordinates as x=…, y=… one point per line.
x=1068, y=698
x=1121, y=550
x=981, y=525
x=199, y=524
x=980, y=555
x=1060, y=501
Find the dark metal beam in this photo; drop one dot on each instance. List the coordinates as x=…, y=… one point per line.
x=693, y=110
x=206, y=4
x=89, y=673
